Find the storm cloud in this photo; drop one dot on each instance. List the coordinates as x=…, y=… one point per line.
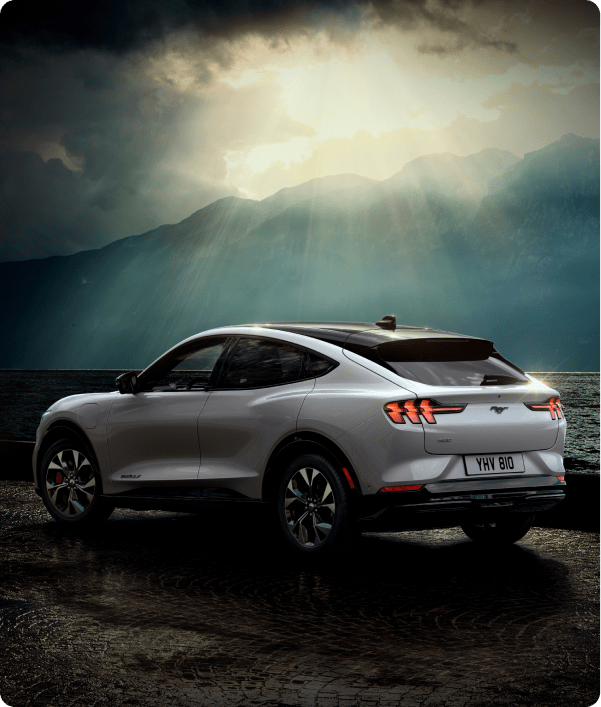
x=117, y=26
x=121, y=115
x=120, y=27
x=126, y=138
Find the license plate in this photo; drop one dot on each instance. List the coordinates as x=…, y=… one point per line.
x=494, y=463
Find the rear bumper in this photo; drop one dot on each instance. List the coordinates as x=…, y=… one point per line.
x=450, y=503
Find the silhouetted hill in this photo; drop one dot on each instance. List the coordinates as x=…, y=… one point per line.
x=328, y=187
x=518, y=265
x=444, y=173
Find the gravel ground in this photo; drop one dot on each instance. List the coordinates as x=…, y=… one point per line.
x=164, y=609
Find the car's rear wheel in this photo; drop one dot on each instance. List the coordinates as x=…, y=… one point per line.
x=502, y=531
x=71, y=486
x=314, y=510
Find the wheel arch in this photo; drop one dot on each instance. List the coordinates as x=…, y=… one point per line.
x=303, y=443
x=58, y=430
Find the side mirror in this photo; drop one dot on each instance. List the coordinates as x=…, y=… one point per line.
x=127, y=383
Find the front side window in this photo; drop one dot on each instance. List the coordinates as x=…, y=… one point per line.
x=188, y=368
x=256, y=363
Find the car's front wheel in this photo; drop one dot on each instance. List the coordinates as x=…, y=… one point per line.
x=314, y=510
x=70, y=484
x=503, y=531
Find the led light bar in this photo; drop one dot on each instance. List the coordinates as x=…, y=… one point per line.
x=413, y=409
x=552, y=405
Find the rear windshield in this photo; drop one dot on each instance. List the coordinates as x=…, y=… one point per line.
x=458, y=373
x=447, y=362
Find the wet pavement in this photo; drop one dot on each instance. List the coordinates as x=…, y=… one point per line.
x=177, y=610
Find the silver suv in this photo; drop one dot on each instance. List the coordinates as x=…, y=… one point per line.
x=338, y=428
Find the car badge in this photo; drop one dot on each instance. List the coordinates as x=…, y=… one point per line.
x=498, y=410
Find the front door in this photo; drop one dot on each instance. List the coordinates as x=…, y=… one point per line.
x=255, y=405
x=153, y=435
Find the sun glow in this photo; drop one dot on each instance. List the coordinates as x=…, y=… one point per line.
x=349, y=98
x=340, y=98
x=314, y=108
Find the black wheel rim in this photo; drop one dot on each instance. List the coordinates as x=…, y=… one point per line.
x=70, y=483
x=310, y=507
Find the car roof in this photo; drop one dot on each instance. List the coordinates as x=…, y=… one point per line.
x=363, y=333
x=349, y=327
x=351, y=336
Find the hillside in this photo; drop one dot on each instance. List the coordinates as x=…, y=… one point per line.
x=515, y=260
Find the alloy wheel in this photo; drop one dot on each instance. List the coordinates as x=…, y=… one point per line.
x=70, y=482
x=310, y=507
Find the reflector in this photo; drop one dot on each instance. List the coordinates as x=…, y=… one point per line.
x=348, y=478
x=394, y=489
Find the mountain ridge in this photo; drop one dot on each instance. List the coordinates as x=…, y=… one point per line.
x=487, y=266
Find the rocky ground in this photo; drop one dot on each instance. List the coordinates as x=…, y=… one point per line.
x=164, y=609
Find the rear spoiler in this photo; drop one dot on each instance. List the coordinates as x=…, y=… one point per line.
x=435, y=349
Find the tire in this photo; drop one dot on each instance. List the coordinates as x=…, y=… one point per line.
x=504, y=531
x=313, y=508
x=70, y=465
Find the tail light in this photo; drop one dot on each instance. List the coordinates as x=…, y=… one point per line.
x=393, y=489
x=412, y=409
x=552, y=405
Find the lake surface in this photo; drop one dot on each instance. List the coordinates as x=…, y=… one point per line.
x=27, y=394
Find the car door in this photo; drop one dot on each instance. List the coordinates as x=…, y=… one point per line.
x=255, y=404
x=152, y=435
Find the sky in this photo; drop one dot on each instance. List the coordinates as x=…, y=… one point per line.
x=119, y=116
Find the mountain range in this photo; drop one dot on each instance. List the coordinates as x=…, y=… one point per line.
x=488, y=244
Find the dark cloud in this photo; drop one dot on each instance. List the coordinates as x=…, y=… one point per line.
x=95, y=111
x=134, y=139
x=75, y=76
x=460, y=43
x=123, y=25
x=42, y=207
x=566, y=28
x=120, y=26
x=46, y=209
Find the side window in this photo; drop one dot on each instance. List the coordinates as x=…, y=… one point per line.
x=187, y=368
x=321, y=365
x=255, y=363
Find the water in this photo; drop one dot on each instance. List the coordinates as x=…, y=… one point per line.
x=27, y=394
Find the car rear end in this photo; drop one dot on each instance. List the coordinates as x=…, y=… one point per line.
x=491, y=437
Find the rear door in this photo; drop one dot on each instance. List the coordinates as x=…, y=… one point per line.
x=255, y=404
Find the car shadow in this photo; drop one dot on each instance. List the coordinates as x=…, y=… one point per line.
x=241, y=557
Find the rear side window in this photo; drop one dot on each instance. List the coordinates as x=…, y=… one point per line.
x=320, y=365
x=256, y=363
